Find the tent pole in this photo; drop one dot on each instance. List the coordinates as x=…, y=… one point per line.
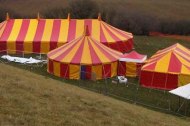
x=105, y=79
x=152, y=80
x=166, y=82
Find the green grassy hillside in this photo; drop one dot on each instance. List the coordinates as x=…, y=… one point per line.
x=30, y=99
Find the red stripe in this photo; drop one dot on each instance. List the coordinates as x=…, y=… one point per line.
x=21, y=35
x=72, y=30
x=77, y=58
x=106, y=70
x=102, y=36
x=64, y=70
x=95, y=58
x=62, y=47
x=66, y=52
x=122, y=68
x=88, y=72
x=50, y=66
x=150, y=66
x=118, y=31
x=106, y=53
x=55, y=34
x=174, y=65
x=111, y=34
x=6, y=34
x=88, y=22
x=38, y=36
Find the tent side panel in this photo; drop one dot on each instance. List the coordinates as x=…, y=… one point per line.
x=146, y=78
x=121, y=68
x=183, y=79
x=114, y=69
x=158, y=80
x=172, y=81
x=97, y=71
x=64, y=70
x=106, y=70
x=50, y=66
x=138, y=70
x=131, y=69
x=56, y=68
x=74, y=71
x=121, y=46
x=88, y=72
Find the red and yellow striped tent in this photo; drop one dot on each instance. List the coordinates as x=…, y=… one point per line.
x=83, y=58
x=43, y=35
x=130, y=64
x=167, y=69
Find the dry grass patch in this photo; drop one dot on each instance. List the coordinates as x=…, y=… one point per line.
x=30, y=99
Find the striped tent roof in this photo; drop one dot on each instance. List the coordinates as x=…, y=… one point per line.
x=61, y=31
x=84, y=50
x=174, y=59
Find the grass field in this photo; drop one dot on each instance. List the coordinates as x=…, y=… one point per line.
x=31, y=99
x=163, y=9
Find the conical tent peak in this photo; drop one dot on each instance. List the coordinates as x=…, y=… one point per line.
x=7, y=16
x=86, y=30
x=69, y=17
x=99, y=17
x=38, y=16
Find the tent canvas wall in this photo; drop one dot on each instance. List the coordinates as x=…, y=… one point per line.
x=167, y=69
x=43, y=35
x=83, y=58
x=131, y=63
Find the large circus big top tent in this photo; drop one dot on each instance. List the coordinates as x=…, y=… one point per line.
x=167, y=69
x=43, y=35
x=83, y=58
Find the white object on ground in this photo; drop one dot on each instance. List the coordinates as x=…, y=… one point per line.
x=183, y=91
x=22, y=60
x=122, y=79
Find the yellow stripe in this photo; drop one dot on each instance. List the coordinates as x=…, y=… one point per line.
x=79, y=28
x=183, y=79
x=131, y=69
x=28, y=41
x=63, y=33
x=97, y=71
x=107, y=35
x=101, y=56
x=45, y=42
x=163, y=64
x=74, y=71
x=11, y=42
x=111, y=51
x=56, y=69
x=116, y=34
x=113, y=69
x=182, y=60
x=96, y=30
x=69, y=57
x=184, y=70
x=61, y=51
x=86, y=57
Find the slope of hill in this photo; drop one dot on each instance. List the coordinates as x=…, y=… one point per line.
x=30, y=99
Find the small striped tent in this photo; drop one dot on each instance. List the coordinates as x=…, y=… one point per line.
x=44, y=35
x=167, y=69
x=83, y=58
x=130, y=64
